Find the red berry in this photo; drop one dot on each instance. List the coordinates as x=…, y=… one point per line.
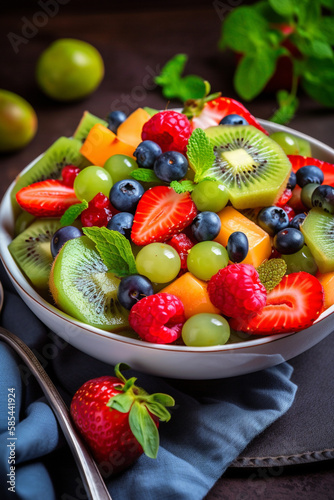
x=68, y=174
x=158, y=318
x=290, y=211
x=101, y=416
x=99, y=212
x=285, y=197
x=170, y=129
x=294, y=304
x=50, y=198
x=182, y=245
x=237, y=291
x=161, y=213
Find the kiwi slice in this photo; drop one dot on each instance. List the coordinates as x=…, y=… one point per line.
x=83, y=288
x=63, y=152
x=318, y=231
x=87, y=121
x=31, y=251
x=253, y=167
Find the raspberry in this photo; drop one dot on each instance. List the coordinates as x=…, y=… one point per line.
x=99, y=212
x=158, y=318
x=290, y=211
x=68, y=174
x=170, y=129
x=182, y=245
x=237, y=291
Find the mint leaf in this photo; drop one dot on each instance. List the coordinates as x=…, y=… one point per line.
x=182, y=186
x=242, y=30
x=326, y=27
x=255, y=70
x=144, y=175
x=288, y=105
x=318, y=80
x=285, y=8
x=175, y=86
x=114, y=249
x=144, y=429
x=329, y=4
x=200, y=153
x=313, y=47
x=72, y=213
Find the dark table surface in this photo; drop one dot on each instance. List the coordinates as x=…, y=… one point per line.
x=135, y=41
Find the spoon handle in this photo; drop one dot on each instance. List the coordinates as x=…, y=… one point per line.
x=90, y=475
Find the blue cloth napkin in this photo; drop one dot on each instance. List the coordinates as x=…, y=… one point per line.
x=211, y=424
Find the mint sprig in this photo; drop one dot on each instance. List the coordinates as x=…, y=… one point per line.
x=200, y=154
x=72, y=213
x=303, y=31
x=114, y=249
x=174, y=85
x=180, y=187
x=144, y=175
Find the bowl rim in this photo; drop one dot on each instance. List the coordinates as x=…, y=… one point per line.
x=26, y=289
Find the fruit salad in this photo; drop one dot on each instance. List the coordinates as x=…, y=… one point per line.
x=193, y=227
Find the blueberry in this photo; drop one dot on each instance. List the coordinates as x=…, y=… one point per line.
x=297, y=221
x=237, y=246
x=146, y=153
x=272, y=219
x=292, y=181
x=309, y=174
x=233, y=119
x=122, y=223
x=114, y=119
x=60, y=237
x=323, y=197
x=133, y=288
x=171, y=166
x=125, y=194
x=289, y=240
x=206, y=226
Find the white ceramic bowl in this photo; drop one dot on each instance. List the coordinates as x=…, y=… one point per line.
x=167, y=360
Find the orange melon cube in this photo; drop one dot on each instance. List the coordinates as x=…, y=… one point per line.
x=101, y=143
x=193, y=293
x=327, y=281
x=130, y=130
x=258, y=239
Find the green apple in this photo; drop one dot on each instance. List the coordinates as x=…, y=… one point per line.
x=18, y=121
x=69, y=69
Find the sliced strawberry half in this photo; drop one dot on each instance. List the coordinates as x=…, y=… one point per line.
x=298, y=161
x=209, y=114
x=292, y=305
x=49, y=198
x=161, y=213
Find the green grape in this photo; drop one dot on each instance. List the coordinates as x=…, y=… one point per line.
x=306, y=194
x=205, y=329
x=206, y=258
x=301, y=261
x=287, y=141
x=120, y=167
x=159, y=262
x=90, y=181
x=210, y=195
x=304, y=146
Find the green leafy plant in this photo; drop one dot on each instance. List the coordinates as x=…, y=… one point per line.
x=301, y=31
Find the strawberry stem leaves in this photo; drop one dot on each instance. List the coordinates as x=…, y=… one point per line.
x=141, y=406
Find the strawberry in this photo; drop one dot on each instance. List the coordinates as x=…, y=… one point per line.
x=298, y=161
x=161, y=213
x=119, y=420
x=294, y=304
x=49, y=198
x=206, y=113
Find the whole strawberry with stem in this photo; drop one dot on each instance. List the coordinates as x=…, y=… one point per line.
x=119, y=420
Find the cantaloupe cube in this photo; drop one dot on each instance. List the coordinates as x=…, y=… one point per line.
x=101, y=143
x=193, y=293
x=130, y=130
x=258, y=239
x=327, y=281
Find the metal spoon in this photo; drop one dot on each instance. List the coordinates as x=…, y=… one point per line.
x=90, y=474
